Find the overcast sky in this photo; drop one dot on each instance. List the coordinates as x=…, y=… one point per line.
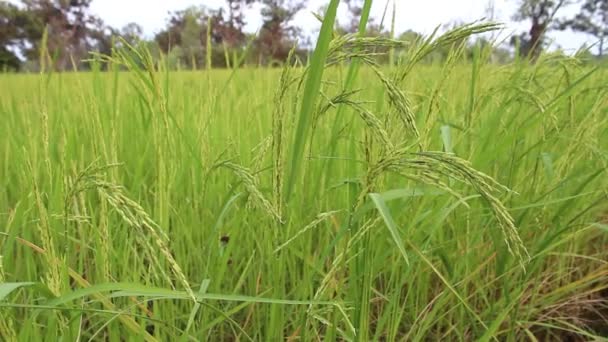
x=419, y=15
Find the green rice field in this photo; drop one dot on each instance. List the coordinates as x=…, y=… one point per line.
x=334, y=201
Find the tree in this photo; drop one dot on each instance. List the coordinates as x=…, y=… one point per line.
x=185, y=37
x=277, y=35
x=540, y=13
x=355, y=8
x=11, y=36
x=232, y=28
x=8, y=59
x=72, y=30
x=592, y=19
x=100, y=37
x=182, y=39
x=193, y=36
x=132, y=33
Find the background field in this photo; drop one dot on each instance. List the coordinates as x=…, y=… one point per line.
x=152, y=188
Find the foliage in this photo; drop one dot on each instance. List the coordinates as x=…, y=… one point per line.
x=592, y=19
x=185, y=37
x=15, y=28
x=71, y=30
x=198, y=36
x=277, y=35
x=540, y=13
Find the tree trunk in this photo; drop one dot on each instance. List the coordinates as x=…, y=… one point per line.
x=536, y=38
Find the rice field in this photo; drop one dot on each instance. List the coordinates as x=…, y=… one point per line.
x=334, y=201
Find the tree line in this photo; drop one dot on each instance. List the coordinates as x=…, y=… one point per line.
x=199, y=36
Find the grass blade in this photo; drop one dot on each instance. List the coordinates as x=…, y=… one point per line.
x=311, y=92
x=390, y=224
x=7, y=288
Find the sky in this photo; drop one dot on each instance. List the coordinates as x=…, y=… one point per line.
x=419, y=15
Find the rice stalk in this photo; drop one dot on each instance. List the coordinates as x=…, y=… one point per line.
x=133, y=214
x=334, y=102
x=353, y=45
x=425, y=46
x=259, y=153
x=136, y=217
x=444, y=164
x=433, y=107
x=400, y=102
x=329, y=280
x=104, y=238
x=318, y=220
x=250, y=182
x=53, y=276
x=45, y=140
x=375, y=126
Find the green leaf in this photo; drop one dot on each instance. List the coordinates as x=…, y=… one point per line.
x=311, y=92
x=137, y=290
x=7, y=288
x=548, y=165
x=390, y=224
x=446, y=137
x=397, y=194
x=202, y=290
x=81, y=293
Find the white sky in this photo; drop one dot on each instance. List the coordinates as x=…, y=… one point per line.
x=419, y=15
